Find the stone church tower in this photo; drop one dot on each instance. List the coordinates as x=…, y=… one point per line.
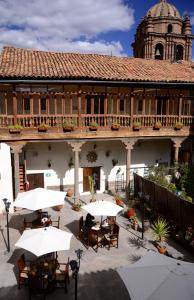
x=163, y=34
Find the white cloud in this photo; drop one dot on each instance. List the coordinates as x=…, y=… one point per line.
x=64, y=25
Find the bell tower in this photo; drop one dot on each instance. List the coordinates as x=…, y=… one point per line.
x=163, y=34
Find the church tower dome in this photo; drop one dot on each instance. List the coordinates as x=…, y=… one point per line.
x=163, y=34
x=163, y=9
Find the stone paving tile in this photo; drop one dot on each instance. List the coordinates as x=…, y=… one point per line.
x=97, y=276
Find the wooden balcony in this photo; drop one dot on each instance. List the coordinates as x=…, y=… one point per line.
x=30, y=124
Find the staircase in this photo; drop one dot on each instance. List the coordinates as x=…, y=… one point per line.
x=22, y=179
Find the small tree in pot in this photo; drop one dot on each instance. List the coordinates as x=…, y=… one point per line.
x=160, y=233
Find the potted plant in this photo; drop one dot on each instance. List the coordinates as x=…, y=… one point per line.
x=134, y=222
x=68, y=125
x=130, y=212
x=178, y=125
x=93, y=126
x=119, y=200
x=157, y=125
x=42, y=127
x=91, y=188
x=160, y=233
x=115, y=125
x=15, y=128
x=77, y=206
x=136, y=125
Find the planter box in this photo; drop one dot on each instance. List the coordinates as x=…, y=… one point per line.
x=115, y=127
x=178, y=127
x=14, y=130
x=42, y=129
x=68, y=129
x=93, y=128
x=157, y=127
x=136, y=128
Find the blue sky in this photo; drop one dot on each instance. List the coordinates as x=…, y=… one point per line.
x=87, y=26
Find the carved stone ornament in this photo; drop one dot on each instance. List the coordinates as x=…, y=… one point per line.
x=92, y=156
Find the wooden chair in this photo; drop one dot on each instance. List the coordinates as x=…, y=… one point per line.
x=27, y=224
x=23, y=270
x=62, y=275
x=37, y=285
x=112, y=239
x=95, y=239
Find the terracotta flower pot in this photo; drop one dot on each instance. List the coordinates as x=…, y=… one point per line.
x=162, y=249
x=119, y=202
x=130, y=212
x=58, y=207
x=69, y=193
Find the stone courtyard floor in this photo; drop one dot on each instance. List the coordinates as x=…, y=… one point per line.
x=98, y=278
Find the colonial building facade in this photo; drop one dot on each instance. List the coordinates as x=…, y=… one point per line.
x=64, y=117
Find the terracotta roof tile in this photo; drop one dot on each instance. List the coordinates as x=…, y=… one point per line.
x=23, y=63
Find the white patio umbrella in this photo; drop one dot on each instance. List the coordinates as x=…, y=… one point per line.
x=158, y=277
x=39, y=198
x=102, y=208
x=44, y=240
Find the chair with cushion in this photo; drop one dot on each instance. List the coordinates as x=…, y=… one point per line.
x=23, y=270
x=62, y=275
x=112, y=239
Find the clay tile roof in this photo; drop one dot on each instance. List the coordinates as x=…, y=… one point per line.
x=31, y=64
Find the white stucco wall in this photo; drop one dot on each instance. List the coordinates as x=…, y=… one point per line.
x=5, y=176
x=145, y=153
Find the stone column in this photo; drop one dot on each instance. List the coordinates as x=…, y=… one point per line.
x=16, y=149
x=76, y=148
x=177, y=144
x=129, y=146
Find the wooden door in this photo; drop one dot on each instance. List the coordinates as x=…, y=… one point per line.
x=86, y=173
x=95, y=173
x=35, y=180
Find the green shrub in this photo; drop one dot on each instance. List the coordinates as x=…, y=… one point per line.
x=160, y=230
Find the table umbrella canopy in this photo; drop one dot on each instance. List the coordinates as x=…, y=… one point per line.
x=102, y=208
x=44, y=240
x=39, y=198
x=158, y=277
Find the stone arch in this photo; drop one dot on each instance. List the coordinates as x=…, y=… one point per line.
x=179, y=50
x=170, y=28
x=159, y=51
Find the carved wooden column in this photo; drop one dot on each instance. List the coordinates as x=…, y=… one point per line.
x=16, y=149
x=129, y=146
x=79, y=99
x=131, y=106
x=177, y=144
x=76, y=147
x=180, y=105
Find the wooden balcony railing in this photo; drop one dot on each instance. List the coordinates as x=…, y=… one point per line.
x=104, y=121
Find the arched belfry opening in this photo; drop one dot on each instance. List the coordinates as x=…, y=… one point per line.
x=179, y=52
x=159, y=51
x=170, y=28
